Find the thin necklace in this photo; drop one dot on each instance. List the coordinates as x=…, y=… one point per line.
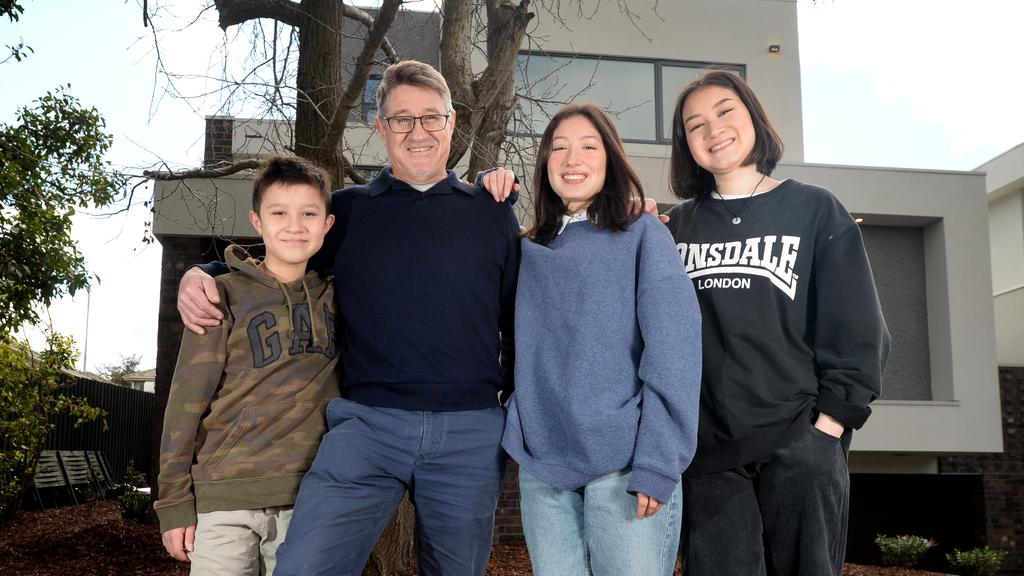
x=736, y=215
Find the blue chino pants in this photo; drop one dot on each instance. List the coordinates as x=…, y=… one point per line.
x=450, y=462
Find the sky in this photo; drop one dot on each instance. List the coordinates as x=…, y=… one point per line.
x=930, y=84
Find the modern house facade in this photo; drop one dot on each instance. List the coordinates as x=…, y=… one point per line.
x=926, y=231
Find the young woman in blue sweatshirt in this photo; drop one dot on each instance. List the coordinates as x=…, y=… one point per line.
x=603, y=419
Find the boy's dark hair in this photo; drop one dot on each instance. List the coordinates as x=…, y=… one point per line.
x=686, y=178
x=290, y=170
x=613, y=207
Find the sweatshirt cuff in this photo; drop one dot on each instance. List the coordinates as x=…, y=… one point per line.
x=176, y=515
x=850, y=415
x=654, y=484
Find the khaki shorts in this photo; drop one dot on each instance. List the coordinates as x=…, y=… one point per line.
x=242, y=542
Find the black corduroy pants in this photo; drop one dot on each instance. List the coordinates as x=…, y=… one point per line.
x=785, y=515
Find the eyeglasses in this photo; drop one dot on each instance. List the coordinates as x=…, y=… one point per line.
x=404, y=124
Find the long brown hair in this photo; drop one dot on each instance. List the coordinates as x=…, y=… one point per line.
x=613, y=207
x=687, y=179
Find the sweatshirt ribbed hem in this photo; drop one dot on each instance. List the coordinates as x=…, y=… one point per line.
x=726, y=455
x=247, y=493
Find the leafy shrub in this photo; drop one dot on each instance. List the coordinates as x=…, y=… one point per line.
x=132, y=502
x=31, y=390
x=903, y=551
x=978, y=561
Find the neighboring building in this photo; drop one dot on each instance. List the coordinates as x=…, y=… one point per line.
x=925, y=231
x=144, y=380
x=1004, y=183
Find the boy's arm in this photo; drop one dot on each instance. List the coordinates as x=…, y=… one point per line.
x=197, y=375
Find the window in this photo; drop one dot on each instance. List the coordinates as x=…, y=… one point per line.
x=639, y=94
x=369, y=104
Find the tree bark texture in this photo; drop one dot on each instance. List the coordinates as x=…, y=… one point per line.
x=391, y=554
x=319, y=83
x=483, y=106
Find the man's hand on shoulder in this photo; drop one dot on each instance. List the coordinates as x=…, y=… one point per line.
x=197, y=300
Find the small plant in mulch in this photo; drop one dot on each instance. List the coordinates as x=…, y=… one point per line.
x=978, y=561
x=903, y=551
x=131, y=501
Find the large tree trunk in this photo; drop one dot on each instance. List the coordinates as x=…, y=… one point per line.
x=319, y=83
x=483, y=107
x=393, y=550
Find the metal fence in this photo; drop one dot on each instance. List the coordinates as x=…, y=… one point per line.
x=129, y=422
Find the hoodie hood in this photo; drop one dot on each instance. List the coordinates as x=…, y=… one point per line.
x=308, y=290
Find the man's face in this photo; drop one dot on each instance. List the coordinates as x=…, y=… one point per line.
x=417, y=157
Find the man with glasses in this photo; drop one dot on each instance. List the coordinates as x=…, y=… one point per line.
x=425, y=268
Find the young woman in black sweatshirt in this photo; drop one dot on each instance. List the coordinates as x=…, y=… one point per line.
x=794, y=342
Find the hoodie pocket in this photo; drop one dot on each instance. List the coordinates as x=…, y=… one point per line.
x=270, y=440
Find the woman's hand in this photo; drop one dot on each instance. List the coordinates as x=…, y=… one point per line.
x=646, y=506
x=501, y=183
x=829, y=425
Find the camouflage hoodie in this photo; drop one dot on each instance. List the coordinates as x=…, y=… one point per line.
x=246, y=408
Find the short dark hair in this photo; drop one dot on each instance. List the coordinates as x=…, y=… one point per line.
x=289, y=170
x=686, y=178
x=613, y=208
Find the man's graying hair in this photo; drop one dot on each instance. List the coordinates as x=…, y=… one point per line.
x=412, y=73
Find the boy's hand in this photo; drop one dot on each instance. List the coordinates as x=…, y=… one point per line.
x=646, y=506
x=180, y=541
x=501, y=183
x=197, y=296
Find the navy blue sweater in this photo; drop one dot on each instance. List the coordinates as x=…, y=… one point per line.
x=426, y=292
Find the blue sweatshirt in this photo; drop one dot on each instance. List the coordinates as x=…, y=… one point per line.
x=608, y=359
x=426, y=285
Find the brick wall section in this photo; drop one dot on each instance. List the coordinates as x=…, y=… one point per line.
x=1003, y=475
x=219, y=130
x=508, y=524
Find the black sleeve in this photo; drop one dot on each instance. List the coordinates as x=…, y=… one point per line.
x=215, y=268
x=851, y=341
x=506, y=319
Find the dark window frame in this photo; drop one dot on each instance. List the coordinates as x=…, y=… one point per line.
x=659, y=115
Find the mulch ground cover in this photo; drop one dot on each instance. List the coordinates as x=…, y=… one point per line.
x=93, y=540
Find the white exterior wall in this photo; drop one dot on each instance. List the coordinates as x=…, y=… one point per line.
x=1005, y=187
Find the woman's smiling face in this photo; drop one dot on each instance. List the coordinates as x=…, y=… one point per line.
x=719, y=131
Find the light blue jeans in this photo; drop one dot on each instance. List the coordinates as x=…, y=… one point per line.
x=594, y=531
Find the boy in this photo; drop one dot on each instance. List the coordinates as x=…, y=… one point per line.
x=246, y=407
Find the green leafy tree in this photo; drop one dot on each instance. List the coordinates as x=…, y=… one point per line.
x=30, y=391
x=51, y=162
x=117, y=372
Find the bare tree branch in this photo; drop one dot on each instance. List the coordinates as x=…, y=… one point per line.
x=232, y=12
x=213, y=171
x=364, y=63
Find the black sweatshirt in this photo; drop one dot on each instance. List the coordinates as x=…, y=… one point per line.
x=791, y=320
x=425, y=283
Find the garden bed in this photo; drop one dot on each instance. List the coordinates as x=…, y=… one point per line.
x=93, y=540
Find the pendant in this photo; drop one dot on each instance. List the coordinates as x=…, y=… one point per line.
x=736, y=220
